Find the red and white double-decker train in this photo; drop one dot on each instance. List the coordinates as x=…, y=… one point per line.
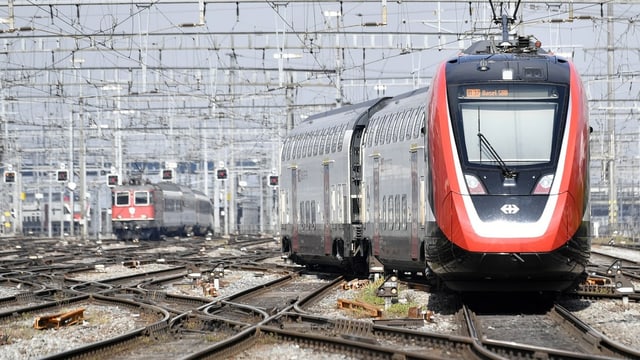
x=481, y=180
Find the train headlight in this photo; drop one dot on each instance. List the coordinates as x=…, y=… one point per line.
x=543, y=187
x=474, y=185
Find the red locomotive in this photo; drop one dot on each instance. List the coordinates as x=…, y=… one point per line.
x=153, y=211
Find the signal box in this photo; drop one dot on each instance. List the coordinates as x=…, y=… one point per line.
x=273, y=180
x=62, y=175
x=221, y=174
x=9, y=176
x=112, y=180
x=167, y=174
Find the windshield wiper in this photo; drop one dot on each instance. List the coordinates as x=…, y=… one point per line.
x=506, y=172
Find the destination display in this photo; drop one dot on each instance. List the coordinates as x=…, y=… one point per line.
x=508, y=91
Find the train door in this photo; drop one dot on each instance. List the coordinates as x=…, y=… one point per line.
x=376, y=204
x=295, y=219
x=415, y=198
x=326, y=211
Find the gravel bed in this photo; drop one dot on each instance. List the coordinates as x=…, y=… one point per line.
x=232, y=282
x=289, y=351
x=629, y=254
x=6, y=291
x=100, y=322
x=442, y=308
x=618, y=321
x=112, y=271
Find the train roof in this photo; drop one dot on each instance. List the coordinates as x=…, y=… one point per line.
x=350, y=114
x=353, y=113
x=413, y=95
x=530, y=67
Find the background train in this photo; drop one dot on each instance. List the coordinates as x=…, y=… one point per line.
x=145, y=211
x=480, y=180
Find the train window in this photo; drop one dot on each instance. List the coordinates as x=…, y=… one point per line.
x=294, y=147
x=141, y=198
x=341, y=204
x=419, y=122
x=285, y=145
x=309, y=145
x=380, y=131
x=371, y=131
x=402, y=123
x=122, y=198
x=301, y=149
x=327, y=142
x=388, y=129
x=521, y=132
x=332, y=209
x=321, y=141
x=292, y=144
x=384, y=127
x=404, y=212
x=303, y=145
x=395, y=206
x=367, y=133
x=316, y=142
x=397, y=124
x=300, y=213
x=390, y=215
x=313, y=212
x=333, y=139
x=299, y=146
x=409, y=125
x=377, y=130
x=285, y=149
x=383, y=217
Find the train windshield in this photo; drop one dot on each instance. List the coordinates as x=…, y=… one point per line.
x=141, y=197
x=121, y=198
x=518, y=121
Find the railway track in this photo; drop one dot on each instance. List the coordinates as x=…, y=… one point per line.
x=155, y=300
x=556, y=334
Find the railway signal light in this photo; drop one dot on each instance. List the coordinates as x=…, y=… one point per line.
x=112, y=180
x=221, y=174
x=167, y=174
x=273, y=180
x=62, y=175
x=9, y=176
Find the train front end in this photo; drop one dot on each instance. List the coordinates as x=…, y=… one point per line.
x=509, y=158
x=133, y=212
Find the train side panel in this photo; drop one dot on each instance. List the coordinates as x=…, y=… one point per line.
x=320, y=196
x=394, y=183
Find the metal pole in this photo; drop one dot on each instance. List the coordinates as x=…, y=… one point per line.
x=611, y=124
